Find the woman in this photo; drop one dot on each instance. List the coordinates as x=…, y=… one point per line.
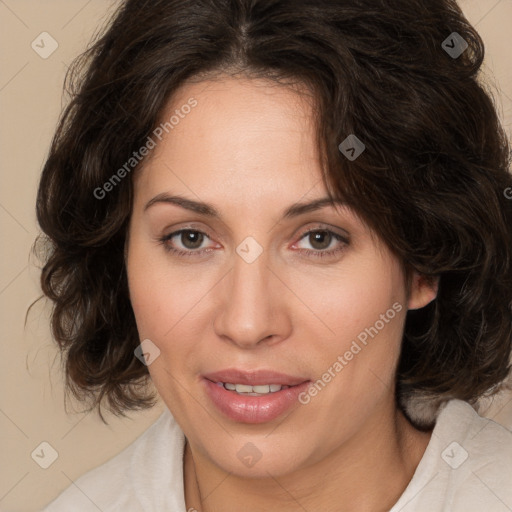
x=288, y=216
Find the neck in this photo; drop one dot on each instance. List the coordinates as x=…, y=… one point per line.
x=367, y=473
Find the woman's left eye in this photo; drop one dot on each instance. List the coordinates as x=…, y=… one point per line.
x=324, y=242
x=321, y=240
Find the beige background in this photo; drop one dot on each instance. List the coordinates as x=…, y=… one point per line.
x=31, y=396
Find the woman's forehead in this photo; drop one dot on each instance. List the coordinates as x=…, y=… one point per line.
x=241, y=139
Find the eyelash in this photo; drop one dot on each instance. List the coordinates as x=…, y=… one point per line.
x=310, y=252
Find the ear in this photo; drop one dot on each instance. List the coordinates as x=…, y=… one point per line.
x=422, y=290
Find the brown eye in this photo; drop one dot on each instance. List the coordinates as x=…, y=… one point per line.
x=185, y=242
x=323, y=243
x=320, y=239
x=191, y=239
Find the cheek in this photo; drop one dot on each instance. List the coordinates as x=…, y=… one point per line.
x=346, y=301
x=170, y=304
x=165, y=304
x=160, y=293
x=357, y=324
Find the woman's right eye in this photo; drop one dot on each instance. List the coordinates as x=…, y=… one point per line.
x=189, y=239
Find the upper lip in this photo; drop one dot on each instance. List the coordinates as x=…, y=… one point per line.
x=254, y=377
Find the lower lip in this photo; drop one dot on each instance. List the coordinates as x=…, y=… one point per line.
x=253, y=409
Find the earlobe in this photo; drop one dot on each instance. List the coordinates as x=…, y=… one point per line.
x=423, y=290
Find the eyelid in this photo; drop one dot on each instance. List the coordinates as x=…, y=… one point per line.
x=320, y=226
x=173, y=230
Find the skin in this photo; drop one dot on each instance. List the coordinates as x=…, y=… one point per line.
x=247, y=149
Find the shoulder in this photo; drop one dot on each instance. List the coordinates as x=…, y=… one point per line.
x=484, y=440
x=482, y=476
x=129, y=479
x=467, y=466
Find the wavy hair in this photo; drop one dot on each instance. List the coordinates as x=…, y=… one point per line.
x=430, y=182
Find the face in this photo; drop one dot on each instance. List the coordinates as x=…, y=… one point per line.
x=233, y=285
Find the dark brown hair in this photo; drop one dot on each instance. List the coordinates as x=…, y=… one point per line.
x=430, y=181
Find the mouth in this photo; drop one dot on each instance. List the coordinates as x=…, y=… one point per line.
x=254, y=378
x=245, y=389
x=253, y=396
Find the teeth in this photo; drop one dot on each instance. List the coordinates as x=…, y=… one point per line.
x=261, y=389
x=245, y=389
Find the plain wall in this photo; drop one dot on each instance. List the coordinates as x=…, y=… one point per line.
x=31, y=394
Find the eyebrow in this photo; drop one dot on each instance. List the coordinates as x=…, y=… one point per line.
x=208, y=210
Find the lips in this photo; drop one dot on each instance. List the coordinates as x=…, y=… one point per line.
x=247, y=408
x=254, y=377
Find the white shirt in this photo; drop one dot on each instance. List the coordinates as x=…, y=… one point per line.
x=467, y=467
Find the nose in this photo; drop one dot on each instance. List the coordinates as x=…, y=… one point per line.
x=252, y=309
